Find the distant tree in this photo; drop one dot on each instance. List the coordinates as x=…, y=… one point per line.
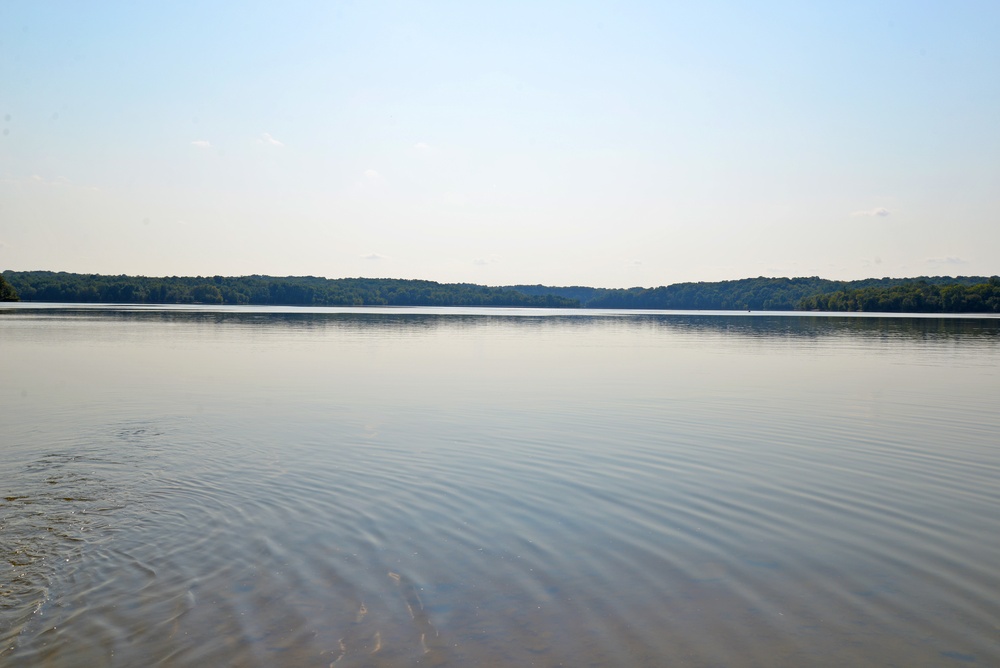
x=207, y=294
x=913, y=297
x=7, y=291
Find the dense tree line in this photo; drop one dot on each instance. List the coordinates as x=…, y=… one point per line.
x=968, y=294
x=912, y=297
x=582, y=294
x=757, y=294
x=50, y=286
x=7, y=291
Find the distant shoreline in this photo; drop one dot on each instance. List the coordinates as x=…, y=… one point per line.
x=925, y=294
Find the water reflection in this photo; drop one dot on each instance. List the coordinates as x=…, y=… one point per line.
x=503, y=489
x=762, y=325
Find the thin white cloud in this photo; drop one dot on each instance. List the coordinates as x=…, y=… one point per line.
x=870, y=263
x=266, y=138
x=59, y=181
x=950, y=259
x=373, y=256
x=421, y=146
x=202, y=143
x=369, y=182
x=880, y=211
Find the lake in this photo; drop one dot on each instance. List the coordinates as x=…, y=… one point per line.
x=187, y=486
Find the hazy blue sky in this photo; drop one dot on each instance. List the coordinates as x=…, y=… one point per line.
x=609, y=144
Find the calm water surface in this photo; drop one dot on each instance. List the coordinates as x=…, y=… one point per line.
x=185, y=487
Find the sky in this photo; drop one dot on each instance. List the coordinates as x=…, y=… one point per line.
x=610, y=144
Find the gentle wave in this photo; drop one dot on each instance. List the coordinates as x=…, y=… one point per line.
x=505, y=492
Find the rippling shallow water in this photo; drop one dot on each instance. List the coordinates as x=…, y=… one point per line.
x=188, y=487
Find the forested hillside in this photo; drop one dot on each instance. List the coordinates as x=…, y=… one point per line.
x=964, y=294
x=50, y=286
x=582, y=294
x=912, y=297
x=757, y=294
x=7, y=291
